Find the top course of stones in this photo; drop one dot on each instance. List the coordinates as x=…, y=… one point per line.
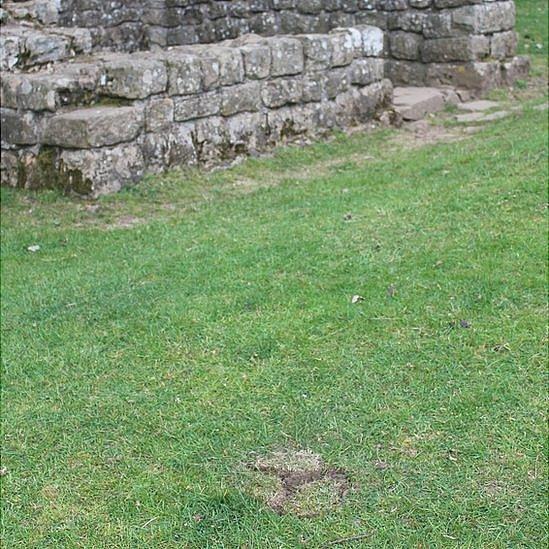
x=95, y=93
x=418, y=33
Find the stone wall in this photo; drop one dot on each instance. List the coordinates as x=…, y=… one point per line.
x=427, y=41
x=80, y=113
x=96, y=125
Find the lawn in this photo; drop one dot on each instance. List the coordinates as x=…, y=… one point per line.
x=162, y=341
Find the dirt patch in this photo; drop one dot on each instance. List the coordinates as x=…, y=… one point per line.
x=298, y=482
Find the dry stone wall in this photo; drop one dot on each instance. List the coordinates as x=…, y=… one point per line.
x=94, y=96
x=98, y=125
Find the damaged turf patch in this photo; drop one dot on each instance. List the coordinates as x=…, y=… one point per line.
x=298, y=482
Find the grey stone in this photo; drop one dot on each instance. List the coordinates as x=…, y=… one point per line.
x=133, y=77
x=479, y=105
x=93, y=127
x=240, y=98
x=159, y=114
x=281, y=92
x=197, y=106
x=287, y=56
x=366, y=71
x=102, y=171
x=414, y=103
x=184, y=73
x=19, y=128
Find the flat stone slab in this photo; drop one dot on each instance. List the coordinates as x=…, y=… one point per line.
x=478, y=106
x=415, y=103
x=93, y=127
x=481, y=116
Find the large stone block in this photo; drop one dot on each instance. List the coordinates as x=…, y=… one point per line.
x=464, y=48
x=342, y=48
x=133, y=76
x=485, y=18
x=317, y=50
x=172, y=148
x=184, y=73
x=281, y=92
x=240, y=98
x=159, y=114
x=366, y=71
x=197, y=106
x=101, y=171
x=287, y=56
x=93, y=127
x=405, y=45
x=19, y=128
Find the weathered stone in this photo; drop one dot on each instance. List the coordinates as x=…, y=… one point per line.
x=466, y=48
x=281, y=91
x=476, y=76
x=317, y=50
x=159, y=114
x=231, y=65
x=241, y=98
x=18, y=128
x=93, y=127
x=197, y=106
x=478, y=106
x=366, y=71
x=415, y=103
x=405, y=45
x=342, y=48
x=133, y=77
x=503, y=44
x=287, y=56
x=171, y=148
x=257, y=60
x=485, y=18
x=101, y=171
x=184, y=73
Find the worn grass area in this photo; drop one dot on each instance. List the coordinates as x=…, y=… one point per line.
x=163, y=340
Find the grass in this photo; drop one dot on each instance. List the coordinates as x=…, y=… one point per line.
x=154, y=347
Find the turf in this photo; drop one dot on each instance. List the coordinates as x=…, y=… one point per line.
x=154, y=347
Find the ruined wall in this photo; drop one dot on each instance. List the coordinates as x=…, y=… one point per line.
x=97, y=125
x=97, y=93
x=426, y=41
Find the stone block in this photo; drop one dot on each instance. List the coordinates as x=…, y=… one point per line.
x=241, y=98
x=172, y=148
x=287, y=56
x=132, y=77
x=405, y=45
x=366, y=71
x=159, y=114
x=197, y=106
x=184, y=73
x=485, y=18
x=93, y=127
x=257, y=60
x=101, y=171
x=464, y=48
x=342, y=48
x=503, y=44
x=317, y=50
x=281, y=92
x=19, y=128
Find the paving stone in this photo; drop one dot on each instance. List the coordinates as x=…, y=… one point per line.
x=414, y=103
x=480, y=116
x=480, y=105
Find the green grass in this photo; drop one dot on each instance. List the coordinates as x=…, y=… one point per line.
x=143, y=367
x=532, y=26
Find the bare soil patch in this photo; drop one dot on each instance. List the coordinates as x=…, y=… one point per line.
x=298, y=482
